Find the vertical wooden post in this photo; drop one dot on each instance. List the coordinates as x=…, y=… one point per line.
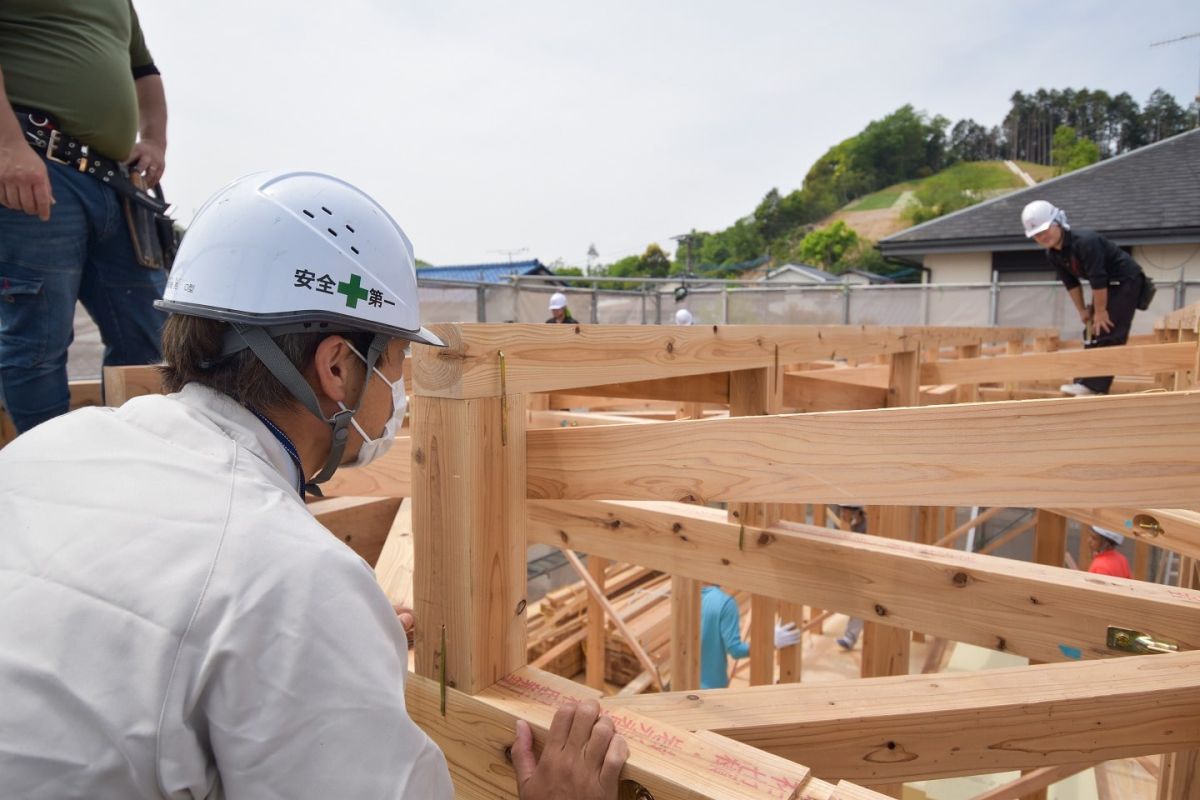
x=1049, y=539
x=685, y=634
x=791, y=658
x=967, y=393
x=1141, y=560
x=469, y=538
x=596, y=627
x=1049, y=547
x=1014, y=347
x=886, y=649
x=1179, y=778
x=753, y=392
x=820, y=516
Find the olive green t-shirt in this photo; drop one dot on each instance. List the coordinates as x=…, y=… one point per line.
x=74, y=60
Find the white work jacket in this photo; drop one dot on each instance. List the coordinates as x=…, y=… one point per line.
x=175, y=624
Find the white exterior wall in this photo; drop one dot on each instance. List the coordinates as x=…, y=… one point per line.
x=960, y=267
x=1164, y=262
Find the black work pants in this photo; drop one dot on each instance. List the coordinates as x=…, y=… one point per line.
x=1122, y=304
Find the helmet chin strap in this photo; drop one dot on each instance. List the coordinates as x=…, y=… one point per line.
x=260, y=342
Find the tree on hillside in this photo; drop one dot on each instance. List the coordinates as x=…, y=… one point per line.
x=1162, y=117
x=1114, y=123
x=1070, y=151
x=970, y=141
x=828, y=246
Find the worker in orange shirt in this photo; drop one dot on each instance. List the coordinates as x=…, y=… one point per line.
x=1106, y=558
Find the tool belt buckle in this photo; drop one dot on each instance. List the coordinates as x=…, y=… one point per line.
x=52, y=145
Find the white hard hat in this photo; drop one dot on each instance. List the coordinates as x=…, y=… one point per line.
x=683, y=317
x=558, y=300
x=1038, y=216
x=279, y=249
x=1112, y=536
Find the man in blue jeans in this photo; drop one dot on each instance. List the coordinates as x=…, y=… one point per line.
x=79, y=90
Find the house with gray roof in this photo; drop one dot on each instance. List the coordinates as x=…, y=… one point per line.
x=1146, y=200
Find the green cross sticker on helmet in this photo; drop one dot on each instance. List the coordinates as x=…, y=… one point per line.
x=353, y=291
x=262, y=237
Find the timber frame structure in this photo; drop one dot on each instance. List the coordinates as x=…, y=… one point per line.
x=901, y=432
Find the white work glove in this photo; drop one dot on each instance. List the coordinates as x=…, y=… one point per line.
x=786, y=635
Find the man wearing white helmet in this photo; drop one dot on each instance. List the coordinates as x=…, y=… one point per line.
x=1106, y=558
x=177, y=622
x=1119, y=287
x=559, y=313
x=683, y=317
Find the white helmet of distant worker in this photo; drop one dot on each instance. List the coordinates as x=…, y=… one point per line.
x=683, y=317
x=1040, y=215
x=558, y=300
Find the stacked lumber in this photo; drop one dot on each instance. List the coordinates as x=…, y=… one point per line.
x=557, y=623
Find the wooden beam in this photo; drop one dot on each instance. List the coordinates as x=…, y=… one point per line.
x=1050, y=538
x=709, y=388
x=669, y=763
x=1179, y=777
x=1126, y=360
x=573, y=419
x=968, y=393
x=1177, y=530
x=363, y=523
x=1029, y=453
x=125, y=383
x=754, y=393
x=964, y=723
x=1009, y=535
x=1028, y=609
x=543, y=359
x=469, y=529
x=973, y=522
x=1034, y=781
x=390, y=475
x=394, y=570
x=596, y=642
x=808, y=394
x=685, y=634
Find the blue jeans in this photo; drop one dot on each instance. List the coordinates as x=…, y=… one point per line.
x=83, y=253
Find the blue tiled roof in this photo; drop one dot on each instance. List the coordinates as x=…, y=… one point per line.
x=483, y=273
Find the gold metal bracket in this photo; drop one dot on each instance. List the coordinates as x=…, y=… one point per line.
x=1131, y=641
x=503, y=402
x=1144, y=524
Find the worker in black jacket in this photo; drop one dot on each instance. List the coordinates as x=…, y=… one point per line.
x=1115, y=278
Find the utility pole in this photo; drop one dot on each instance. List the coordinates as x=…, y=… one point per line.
x=1185, y=37
x=592, y=255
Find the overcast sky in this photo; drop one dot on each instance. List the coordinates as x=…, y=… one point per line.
x=490, y=126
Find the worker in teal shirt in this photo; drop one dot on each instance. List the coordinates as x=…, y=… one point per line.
x=720, y=636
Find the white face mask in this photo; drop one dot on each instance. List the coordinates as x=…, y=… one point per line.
x=372, y=449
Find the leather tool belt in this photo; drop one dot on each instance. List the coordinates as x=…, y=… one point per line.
x=151, y=230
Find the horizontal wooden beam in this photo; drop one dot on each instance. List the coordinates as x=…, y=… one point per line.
x=808, y=394
x=708, y=388
x=1035, y=453
x=390, y=475
x=573, y=419
x=540, y=358
x=1041, y=612
x=1174, y=529
x=932, y=726
x=1141, y=360
x=363, y=523
x=670, y=763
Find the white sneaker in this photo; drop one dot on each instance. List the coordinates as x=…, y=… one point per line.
x=1076, y=389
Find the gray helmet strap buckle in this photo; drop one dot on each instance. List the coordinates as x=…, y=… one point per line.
x=260, y=341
